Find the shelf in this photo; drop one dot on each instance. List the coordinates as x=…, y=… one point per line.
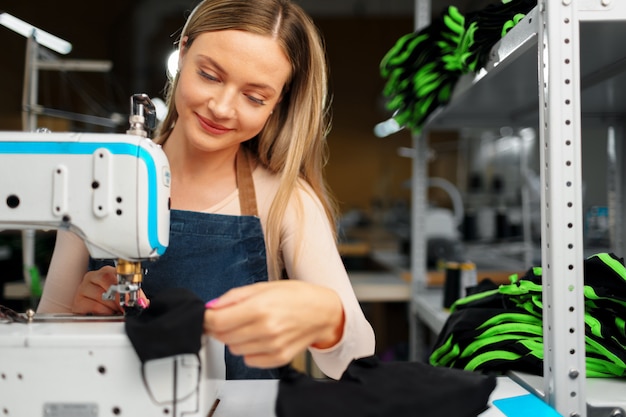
x=605, y=396
x=505, y=93
x=561, y=68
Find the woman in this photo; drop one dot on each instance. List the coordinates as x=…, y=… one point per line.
x=245, y=139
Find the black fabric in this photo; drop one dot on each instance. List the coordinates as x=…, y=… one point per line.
x=370, y=387
x=422, y=69
x=502, y=330
x=171, y=325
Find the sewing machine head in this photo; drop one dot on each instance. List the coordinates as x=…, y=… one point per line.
x=112, y=190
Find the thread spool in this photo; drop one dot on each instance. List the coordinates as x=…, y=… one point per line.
x=458, y=277
x=452, y=284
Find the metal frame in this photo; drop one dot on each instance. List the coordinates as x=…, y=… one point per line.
x=418, y=204
x=616, y=187
x=561, y=210
x=33, y=63
x=555, y=26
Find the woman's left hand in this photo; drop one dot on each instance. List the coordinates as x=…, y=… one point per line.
x=269, y=323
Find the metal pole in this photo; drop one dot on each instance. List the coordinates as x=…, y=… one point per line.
x=29, y=124
x=562, y=213
x=418, y=211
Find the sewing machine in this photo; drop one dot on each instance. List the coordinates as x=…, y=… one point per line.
x=112, y=190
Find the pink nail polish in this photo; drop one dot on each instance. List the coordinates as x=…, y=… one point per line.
x=211, y=303
x=142, y=303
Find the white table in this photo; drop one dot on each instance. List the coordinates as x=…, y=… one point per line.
x=383, y=287
x=429, y=308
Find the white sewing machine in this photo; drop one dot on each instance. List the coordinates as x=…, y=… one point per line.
x=112, y=190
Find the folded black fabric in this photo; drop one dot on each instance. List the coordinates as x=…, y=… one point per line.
x=371, y=388
x=501, y=330
x=171, y=325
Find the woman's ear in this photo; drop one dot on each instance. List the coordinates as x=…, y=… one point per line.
x=183, y=43
x=182, y=49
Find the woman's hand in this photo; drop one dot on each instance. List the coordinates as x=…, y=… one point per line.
x=88, y=297
x=269, y=323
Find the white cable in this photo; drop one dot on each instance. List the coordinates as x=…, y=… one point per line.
x=455, y=196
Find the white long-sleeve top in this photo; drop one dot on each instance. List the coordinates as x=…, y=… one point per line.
x=317, y=261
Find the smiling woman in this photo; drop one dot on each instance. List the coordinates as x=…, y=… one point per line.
x=230, y=81
x=252, y=222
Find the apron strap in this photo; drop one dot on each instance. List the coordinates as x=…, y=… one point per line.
x=247, y=195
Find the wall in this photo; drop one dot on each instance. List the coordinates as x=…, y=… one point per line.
x=363, y=169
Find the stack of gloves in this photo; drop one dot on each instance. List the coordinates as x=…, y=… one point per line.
x=500, y=329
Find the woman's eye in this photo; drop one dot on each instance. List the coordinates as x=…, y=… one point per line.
x=208, y=76
x=256, y=100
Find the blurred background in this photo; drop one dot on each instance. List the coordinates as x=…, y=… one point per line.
x=138, y=36
x=370, y=176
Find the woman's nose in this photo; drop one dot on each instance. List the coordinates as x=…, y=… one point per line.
x=222, y=104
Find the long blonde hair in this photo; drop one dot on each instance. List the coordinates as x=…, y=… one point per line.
x=293, y=141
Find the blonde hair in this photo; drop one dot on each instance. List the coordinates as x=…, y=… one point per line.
x=293, y=142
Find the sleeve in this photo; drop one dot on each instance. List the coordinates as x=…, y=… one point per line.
x=310, y=254
x=67, y=268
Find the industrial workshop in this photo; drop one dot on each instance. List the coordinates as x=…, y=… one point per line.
x=298, y=208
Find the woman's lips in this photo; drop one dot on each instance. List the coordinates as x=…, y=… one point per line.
x=212, y=127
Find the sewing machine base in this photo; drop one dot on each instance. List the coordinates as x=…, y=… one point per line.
x=89, y=368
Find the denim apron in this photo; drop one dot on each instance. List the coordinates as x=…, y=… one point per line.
x=210, y=254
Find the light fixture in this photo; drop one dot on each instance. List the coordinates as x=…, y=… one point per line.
x=386, y=128
x=42, y=37
x=160, y=107
x=172, y=64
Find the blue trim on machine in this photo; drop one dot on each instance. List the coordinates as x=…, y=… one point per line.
x=87, y=148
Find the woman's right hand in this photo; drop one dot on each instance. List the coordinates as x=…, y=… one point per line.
x=88, y=297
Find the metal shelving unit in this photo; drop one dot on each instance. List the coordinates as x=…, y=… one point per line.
x=562, y=66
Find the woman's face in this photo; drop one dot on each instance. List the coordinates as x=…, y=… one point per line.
x=229, y=83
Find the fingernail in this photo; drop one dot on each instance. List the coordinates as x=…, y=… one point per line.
x=211, y=303
x=142, y=302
